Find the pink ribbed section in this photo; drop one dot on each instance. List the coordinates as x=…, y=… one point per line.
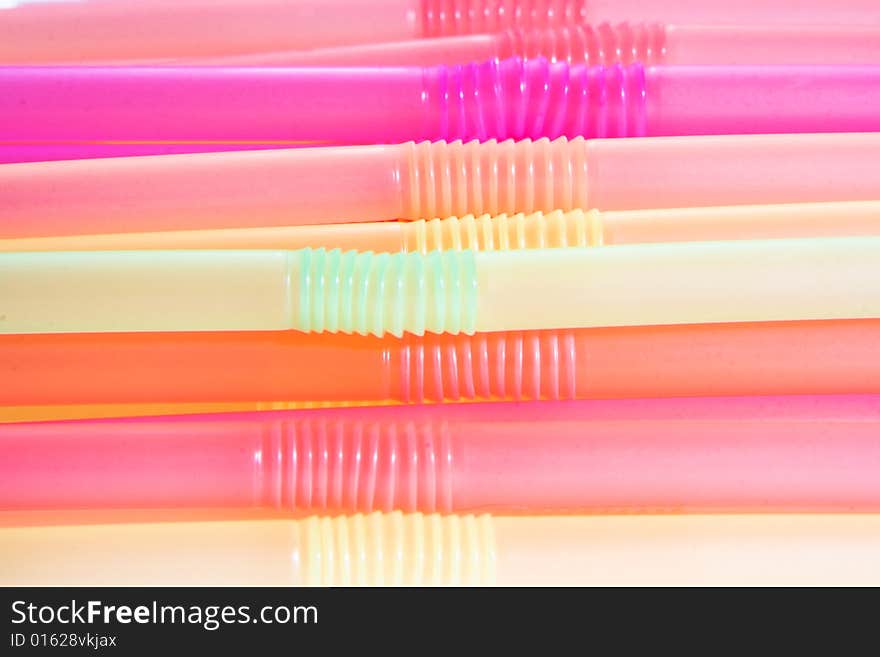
x=519, y=99
x=352, y=466
x=454, y=179
x=450, y=17
x=605, y=44
x=515, y=365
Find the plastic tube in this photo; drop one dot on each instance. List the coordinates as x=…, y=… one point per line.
x=110, y=30
x=502, y=232
x=761, y=358
x=441, y=292
x=434, y=550
x=69, y=411
x=423, y=181
x=131, y=110
x=604, y=43
x=755, y=454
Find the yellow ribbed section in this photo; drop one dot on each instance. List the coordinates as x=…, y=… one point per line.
x=504, y=232
x=397, y=549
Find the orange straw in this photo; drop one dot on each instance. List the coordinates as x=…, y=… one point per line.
x=250, y=369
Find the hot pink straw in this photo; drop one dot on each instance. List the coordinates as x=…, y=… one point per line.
x=681, y=455
x=141, y=110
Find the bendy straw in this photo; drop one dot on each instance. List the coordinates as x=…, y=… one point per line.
x=114, y=30
x=502, y=232
x=397, y=549
x=442, y=291
x=424, y=181
x=603, y=43
x=133, y=109
x=755, y=454
x=265, y=370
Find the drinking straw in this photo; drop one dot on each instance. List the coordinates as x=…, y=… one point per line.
x=248, y=370
x=68, y=411
x=131, y=109
x=755, y=454
x=397, y=549
x=441, y=292
x=109, y=30
x=603, y=43
x=424, y=181
x=502, y=232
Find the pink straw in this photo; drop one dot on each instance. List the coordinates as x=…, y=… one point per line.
x=753, y=454
x=142, y=110
x=114, y=30
x=423, y=181
x=603, y=43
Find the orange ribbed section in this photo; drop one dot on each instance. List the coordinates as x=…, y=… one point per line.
x=513, y=365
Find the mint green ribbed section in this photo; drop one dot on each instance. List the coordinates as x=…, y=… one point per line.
x=379, y=293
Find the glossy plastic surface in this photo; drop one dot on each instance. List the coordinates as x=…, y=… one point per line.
x=69, y=411
x=504, y=232
x=131, y=30
x=397, y=549
x=423, y=181
x=603, y=43
x=756, y=454
x=441, y=291
x=135, y=110
x=154, y=30
x=233, y=369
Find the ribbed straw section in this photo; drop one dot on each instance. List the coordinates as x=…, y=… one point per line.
x=505, y=232
x=450, y=17
x=605, y=44
x=455, y=179
x=382, y=293
x=518, y=99
x=515, y=365
x=398, y=549
x=322, y=465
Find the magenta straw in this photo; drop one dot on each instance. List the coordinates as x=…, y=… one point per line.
x=750, y=454
x=144, y=110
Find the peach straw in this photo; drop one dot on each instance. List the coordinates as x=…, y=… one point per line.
x=398, y=549
x=501, y=232
x=424, y=181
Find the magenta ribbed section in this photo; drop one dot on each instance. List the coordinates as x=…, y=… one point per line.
x=519, y=99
